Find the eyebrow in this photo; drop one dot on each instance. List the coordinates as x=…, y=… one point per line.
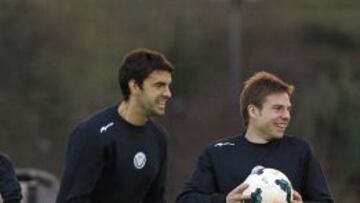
x=282, y=105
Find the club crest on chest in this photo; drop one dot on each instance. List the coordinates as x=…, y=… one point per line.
x=139, y=160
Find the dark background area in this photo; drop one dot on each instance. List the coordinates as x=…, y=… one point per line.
x=59, y=62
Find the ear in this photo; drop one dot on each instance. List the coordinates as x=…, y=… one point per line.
x=134, y=87
x=253, y=111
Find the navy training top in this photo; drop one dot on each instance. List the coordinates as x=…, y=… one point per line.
x=110, y=160
x=225, y=164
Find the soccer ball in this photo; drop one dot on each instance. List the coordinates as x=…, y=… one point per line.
x=268, y=185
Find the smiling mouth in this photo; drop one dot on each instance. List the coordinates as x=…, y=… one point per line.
x=282, y=126
x=162, y=105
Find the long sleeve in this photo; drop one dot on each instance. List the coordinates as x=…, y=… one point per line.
x=316, y=189
x=156, y=194
x=9, y=186
x=201, y=188
x=83, y=167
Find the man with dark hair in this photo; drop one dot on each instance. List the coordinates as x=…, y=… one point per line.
x=119, y=154
x=224, y=165
x=10, y=189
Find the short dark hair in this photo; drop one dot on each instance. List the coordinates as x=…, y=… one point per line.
x=138, y=64
x=259, y=86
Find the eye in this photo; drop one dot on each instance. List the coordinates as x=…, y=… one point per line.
x=159, y=85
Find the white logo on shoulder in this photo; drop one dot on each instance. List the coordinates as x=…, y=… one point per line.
x=221, y=144
x=139, y=160
x=105, y=127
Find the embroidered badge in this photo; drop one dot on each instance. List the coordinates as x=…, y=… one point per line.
x=139, y=160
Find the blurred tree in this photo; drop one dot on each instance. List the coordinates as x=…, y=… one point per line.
x=30, y=89
x=329, y=109
x=59, y=62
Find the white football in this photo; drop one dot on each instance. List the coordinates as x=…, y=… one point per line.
x=268, y=185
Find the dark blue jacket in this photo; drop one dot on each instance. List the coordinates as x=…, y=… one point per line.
x=9, y=186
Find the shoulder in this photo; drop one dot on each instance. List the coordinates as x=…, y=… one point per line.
x=158, y=129
x=5, y=163
x=3, y=157
x=297, y=143
x=219, y=151
x=98, y=119
x=98, y=123
x=159, y=133
x=295, y=140
x=223, y=144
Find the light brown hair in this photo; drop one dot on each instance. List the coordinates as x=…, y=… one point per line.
x=259, y=86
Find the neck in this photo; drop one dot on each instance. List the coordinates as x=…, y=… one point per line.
x=131, y=113
x=254, y=136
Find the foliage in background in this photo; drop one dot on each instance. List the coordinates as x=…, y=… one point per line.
x=59, y=62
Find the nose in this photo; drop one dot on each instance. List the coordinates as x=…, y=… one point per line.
x=167, y=93
x=286, y=114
